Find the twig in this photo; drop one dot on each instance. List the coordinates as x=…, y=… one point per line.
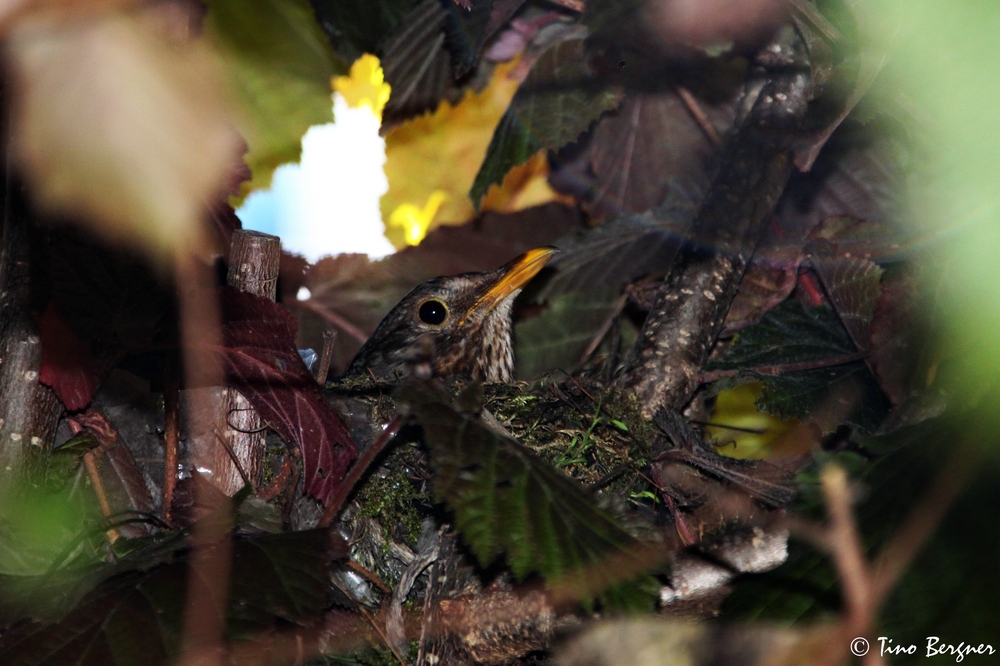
x=921, y=522
x=394, y=626
x=102, y=498
x=603, y=330
x=232, y=456
x=278, y=484
x=333, y=318
x=847, y=551
x=699, y=115
x=376, y=625
x=783, y=368
x=573, y=5
x=359, y=468
x=848, y=556
x=329, y=337
x=371, y=576
x=171, y=437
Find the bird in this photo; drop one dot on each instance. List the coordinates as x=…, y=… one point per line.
x=464, y=321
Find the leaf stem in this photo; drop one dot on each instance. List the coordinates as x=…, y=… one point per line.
x=359, y=468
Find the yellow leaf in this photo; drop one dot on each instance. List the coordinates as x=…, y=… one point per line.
x=743, y=431
x=442, y=152
x=113, y=123
x=416, y=221
x=524, y=186
x=365, y=85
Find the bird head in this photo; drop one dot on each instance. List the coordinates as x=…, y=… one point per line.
x=465, y=321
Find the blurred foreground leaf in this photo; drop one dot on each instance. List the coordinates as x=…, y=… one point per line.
x=280, y=66
x=115, y=123
x=134, y=617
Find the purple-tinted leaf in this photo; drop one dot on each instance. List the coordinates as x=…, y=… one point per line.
x=650, y=139
x=854, y=288
x=263, y=363
x=763, y=287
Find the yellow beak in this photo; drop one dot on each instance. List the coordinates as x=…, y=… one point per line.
x=515, y=275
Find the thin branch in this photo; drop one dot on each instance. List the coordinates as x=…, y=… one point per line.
x=922, y=522
x=329, y=337
x=699, y=115
x=784, y=368
x=171, y=437
x=359, y=468
x=102, y=498
x=336, y=319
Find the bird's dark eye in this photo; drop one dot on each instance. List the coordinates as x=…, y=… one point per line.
x=433, y=312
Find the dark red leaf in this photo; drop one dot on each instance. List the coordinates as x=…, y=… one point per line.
x=764, y=286
x=262, y=362
x=67, y=363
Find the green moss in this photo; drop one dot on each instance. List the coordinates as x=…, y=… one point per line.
x=391, y=498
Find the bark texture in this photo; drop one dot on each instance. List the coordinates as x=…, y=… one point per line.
x=29, y=411
x=663, y=366
x=240, y=454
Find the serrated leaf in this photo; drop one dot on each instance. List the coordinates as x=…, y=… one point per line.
x=615, y=253
x=280, y=65
x=555, y=104
x=263, y=363
x=134, y=618
x=465, y=33
x=788, y=334
x=855, y=396
x=356, y=28
x=558, y=337
x=417, y=65
x=808, y=365
x=853, y=286
x=507, y=501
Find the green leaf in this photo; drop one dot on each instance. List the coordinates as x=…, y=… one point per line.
x=280, y=66
x=134, y=617
x=507, y=501
x=788, y=334
x=805, y=360
x=557, y=338
x=557, y=102
x=356, y=28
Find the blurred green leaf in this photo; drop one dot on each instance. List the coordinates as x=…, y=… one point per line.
x=134, y=617
x=280, y=65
